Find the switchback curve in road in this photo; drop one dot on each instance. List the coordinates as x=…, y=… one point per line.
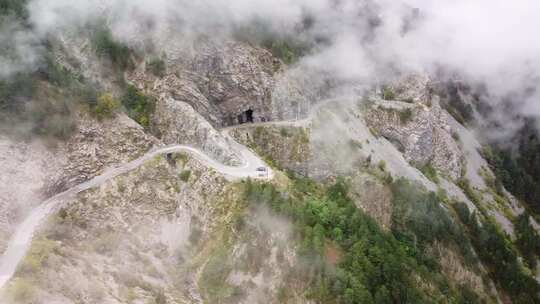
x=22, y=238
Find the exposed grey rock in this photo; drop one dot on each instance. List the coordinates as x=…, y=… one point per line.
x=413, y=88
x=221, y=80
x=178, y=123
x=97, y=145
x=423, y=132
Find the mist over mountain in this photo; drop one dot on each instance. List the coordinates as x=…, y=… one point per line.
x=269, y=151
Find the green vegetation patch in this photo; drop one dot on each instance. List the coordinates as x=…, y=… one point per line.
x=15, y=8
x=106, y=106
x=518, y=172
x=105, y=46
x=157, y=67
x=419, y=219
x=139, y=106
x=44, y=102
x=388, y=93
x=497, y=253
x=22, y=290
x=38, y=256
x=527, y=240
x=373, y=266
x=185, y=175
x=405, y=115
x=429, y=172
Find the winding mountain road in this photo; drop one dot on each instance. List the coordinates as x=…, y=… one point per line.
x=22, y=238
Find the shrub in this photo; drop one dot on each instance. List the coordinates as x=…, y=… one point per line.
x=430, y=172
x=456, y=106
x=463, y=213
x=420, y=213
x=157, y=67
x=382, y=165
x=355, y=144
x=37, y=256
x=405, y=115
x=408, y=100
x=138, y=105
x=106, y=47
x=15, y=90
x=184, y=175
x=387, y=93
x=455, y=136
x=22, y=290
x=471, y=194
x=285, y=49
x=213, y=279
x=519, y=172
x=284, y=132
x=106, y=106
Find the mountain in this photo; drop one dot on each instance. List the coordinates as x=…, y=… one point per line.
x=189, y=160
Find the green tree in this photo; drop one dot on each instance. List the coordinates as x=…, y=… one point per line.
x=106, y=106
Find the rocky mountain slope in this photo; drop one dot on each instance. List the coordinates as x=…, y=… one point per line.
x=354, y=196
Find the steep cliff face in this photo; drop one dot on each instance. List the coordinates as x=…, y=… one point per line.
x=97, y=145
x=287, y=147
x=422, y=133
x=222, y=81
x=177, y=122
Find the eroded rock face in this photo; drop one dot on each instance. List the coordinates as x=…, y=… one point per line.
x=236, y=77
x=422, y=133
x=177, y=122
x=221, y=80
x=98, y=145
x=288, y=147
x=412, y=88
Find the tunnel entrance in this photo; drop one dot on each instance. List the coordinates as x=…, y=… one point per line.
x=249, y=115
x=245, y=117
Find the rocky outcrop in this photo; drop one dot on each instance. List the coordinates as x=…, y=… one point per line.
x=177, y=122
x=220, y=80
x=422, y=133
x=97, y=145
x=236, y=77
x=286, y=147
x=412, y=88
